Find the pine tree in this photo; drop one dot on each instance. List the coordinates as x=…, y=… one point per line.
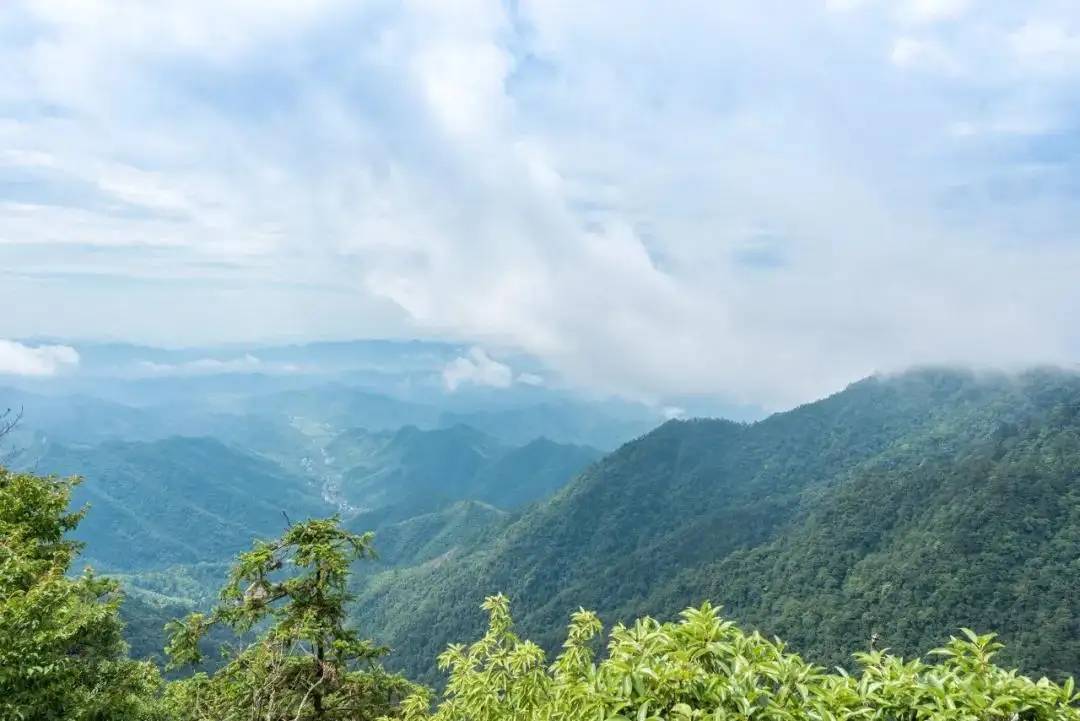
x=306, y=663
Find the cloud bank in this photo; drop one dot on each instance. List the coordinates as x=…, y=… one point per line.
x=43, y=360
x=477, y=368
x=246, y=363
x=761, y=202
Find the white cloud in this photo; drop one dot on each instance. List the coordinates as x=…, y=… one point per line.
x=43, y=360
x=910, y=52
x=1046, y=46
x=246, y=363
x=534, y=176
x=672, y=412
x=477, y=368
x=909, y=11
x=530, y=379
x=929, y=11
x=844, y=5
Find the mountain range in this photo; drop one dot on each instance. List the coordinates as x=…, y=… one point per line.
x=897, y=509
x=901, y=508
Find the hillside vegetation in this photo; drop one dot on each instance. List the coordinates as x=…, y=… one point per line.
x=394, y=476
x=704, y=667
x=298, y=658
x=178, y=500
x=168, y=513
x=865, y=530
x=903, y=507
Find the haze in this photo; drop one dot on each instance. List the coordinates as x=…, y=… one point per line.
x=759, y=204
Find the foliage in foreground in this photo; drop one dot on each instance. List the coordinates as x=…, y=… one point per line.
x=703, y=667
x=62, y=655
x=307, y=664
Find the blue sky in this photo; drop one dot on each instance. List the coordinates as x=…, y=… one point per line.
x=763, y=200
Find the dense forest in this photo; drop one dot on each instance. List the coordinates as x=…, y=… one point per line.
x=62, y=655
x=903, y=507
x=865, y=530
x=539, y=360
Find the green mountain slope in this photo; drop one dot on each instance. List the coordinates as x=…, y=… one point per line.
x=395, y=476
x=561, y=422
x=413, y=471
x=178, y=500
x=78, y=418
x=436, y=535
x=342, y=406
x=927, y=538
x=799, y=522
x=530, y=472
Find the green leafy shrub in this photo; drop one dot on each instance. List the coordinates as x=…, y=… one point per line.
x=62, y=655
x=704, y=667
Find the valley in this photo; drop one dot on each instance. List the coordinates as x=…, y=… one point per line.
x=520, y=360
x=894, y=509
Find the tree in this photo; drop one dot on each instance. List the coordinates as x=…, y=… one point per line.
x=306, y=664
x=62, y=655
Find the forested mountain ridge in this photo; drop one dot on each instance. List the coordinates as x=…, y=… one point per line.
x=167, y=513
x=970, y=527
x=436, y=535
x=895, y=510
x=177, y=500
x=706, y=509
x=416, y=471
x=530, y=472
x=392, y=476
x=197, y=500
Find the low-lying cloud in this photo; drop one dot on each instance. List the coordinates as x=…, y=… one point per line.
x=42, y=360
x=477, y=368
x=246, y=363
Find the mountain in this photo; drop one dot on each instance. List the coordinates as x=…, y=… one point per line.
x=565, y=422
x=183, y=500
x=339, y=406
x=530, y=472
x=356, y=447
x=153, y=598
x=177, y=500
x=902, y=506
x=393, y=476
x=78, y=418
x=436, y=535
x=414, y=471
x=336, y=406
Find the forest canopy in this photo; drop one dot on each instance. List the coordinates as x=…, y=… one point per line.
x=62, y=654
x=864, y=530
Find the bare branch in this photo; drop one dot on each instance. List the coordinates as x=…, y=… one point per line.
x=9, y=419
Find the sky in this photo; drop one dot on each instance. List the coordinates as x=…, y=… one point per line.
x=760, y=200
